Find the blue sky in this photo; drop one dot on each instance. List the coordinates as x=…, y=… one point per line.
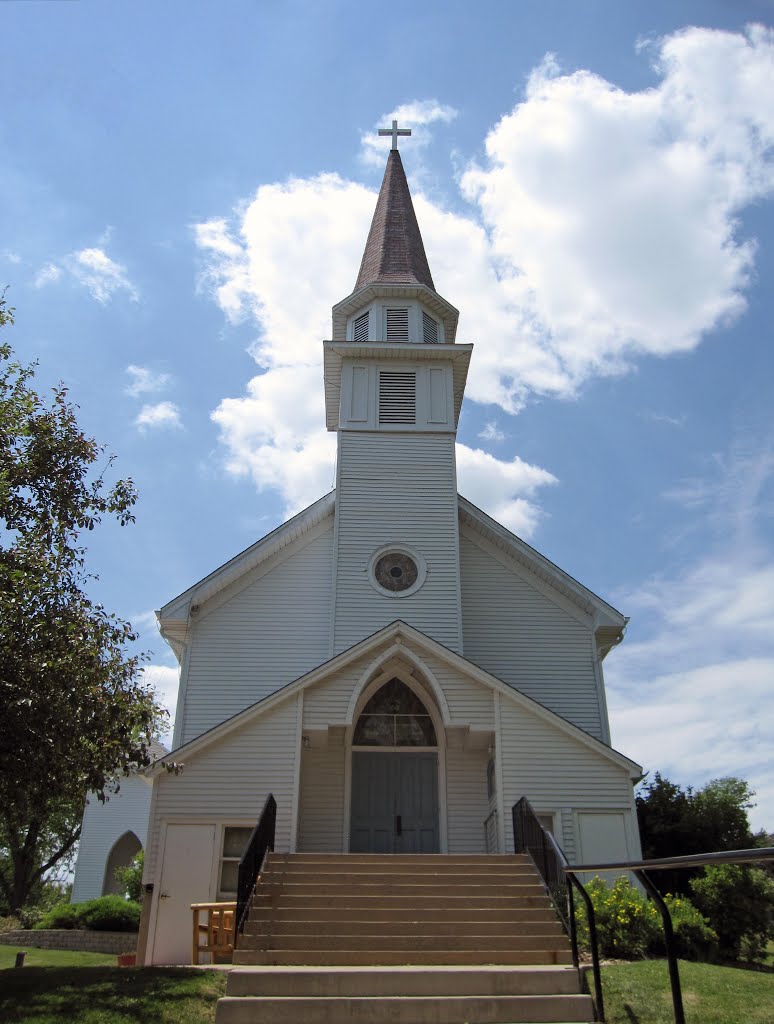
x=186, y=188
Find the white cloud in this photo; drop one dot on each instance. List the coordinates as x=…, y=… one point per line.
x=47, y=275
x=607, y=231
x=416, y=115
x=491, y=432
x=145, y=381
x=94, y=270
x=11, y=257
x=165, y=680
x=101, y=275
x=502, y=489
x=163, y=414
x=690, y=693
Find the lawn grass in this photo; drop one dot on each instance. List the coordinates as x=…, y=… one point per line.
x=639, y=993
x=54, y=957
x=109, y=995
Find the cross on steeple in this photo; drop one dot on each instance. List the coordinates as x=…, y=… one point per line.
x=395, y=131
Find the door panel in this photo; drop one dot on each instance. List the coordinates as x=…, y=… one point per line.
x=185, y=879
x=394, y=803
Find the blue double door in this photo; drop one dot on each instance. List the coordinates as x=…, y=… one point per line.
x=394, y=803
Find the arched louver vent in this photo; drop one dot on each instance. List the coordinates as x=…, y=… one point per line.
x=360, y=328
x=429, y=329
x=397, y=396
x=397, y=324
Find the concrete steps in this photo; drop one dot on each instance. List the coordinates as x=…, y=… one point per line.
x=427, y=939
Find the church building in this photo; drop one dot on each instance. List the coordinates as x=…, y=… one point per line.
x=393, y=665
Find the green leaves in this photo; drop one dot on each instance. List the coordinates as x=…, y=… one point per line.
x=75, y=713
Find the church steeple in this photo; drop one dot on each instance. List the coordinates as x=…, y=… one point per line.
x=394, y=252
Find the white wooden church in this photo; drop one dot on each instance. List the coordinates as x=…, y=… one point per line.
x=396, y=667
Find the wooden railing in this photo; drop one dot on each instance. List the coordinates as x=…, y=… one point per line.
x=217, y=930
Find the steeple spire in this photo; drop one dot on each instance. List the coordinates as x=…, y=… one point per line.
x=394, y=252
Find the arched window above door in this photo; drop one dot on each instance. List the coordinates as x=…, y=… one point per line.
x=394, y=717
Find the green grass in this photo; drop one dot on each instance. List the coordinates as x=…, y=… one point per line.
x=109, y=995
x=54, y=957
x=639, y=993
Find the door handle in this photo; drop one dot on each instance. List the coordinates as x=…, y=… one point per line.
x=398, y=825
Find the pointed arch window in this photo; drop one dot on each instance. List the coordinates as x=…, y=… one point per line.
x=394, y=717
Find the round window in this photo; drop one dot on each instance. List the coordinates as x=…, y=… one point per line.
x=396, y=572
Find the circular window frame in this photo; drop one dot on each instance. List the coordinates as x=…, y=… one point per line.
x=397, y=549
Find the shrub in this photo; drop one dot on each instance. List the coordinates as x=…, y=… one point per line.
x=9, y=924
x=627, y=922
x=739, y=902
x=130, y=879
x=694, y=938
x=629, y=925
x=64, y=915
x=110, y=914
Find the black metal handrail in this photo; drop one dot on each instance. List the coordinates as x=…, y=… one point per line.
x=693, y=860
x=251, y=864
x=531, y=838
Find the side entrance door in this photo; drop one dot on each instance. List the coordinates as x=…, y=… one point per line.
x=394, y=803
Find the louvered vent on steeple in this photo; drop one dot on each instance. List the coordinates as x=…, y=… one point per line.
x=429, y=329
x=360, y=328
x=397, y=324
x=397, y=396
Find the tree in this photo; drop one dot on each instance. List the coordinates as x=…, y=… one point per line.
x=75, y=713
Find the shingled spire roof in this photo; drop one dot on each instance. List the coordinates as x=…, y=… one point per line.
x=394, y=253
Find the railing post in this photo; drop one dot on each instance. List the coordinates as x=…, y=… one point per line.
x=573, y=923
x=594, y=944
x=669, y=941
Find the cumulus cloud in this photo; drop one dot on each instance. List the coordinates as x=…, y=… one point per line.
x=491, y=432
x=162, y=414
x=503, y=489
x=603, y=227
x=690, y=692
x=143, y=380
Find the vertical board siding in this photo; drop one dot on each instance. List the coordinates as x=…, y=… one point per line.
x=467, y=802
x=261, y=638
x=554, y=770
x=232, y=780
x=396, y=489
x=103, y=824
x=321, y=804
x=519, y=635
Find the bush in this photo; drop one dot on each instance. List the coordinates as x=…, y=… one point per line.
x=130, y=879
x=65, y=915
x=110, y=914
x=9, y=924
x=629, y=925
x=694, y=938
x=106, y=914
x=739, y=902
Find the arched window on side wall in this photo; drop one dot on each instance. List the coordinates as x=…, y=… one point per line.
x=124, y=850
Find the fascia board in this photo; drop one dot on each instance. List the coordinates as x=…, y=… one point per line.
x=428, y=645
x=334, y=353
x=606, y=614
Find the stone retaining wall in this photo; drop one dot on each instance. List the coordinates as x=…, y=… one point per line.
x=72, y=939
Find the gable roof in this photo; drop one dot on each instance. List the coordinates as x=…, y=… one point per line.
x=400, y=632
x=394, y=252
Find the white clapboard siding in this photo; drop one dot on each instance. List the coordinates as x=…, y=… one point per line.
x=520, y=635
x=396, y=489
x=326, y=703
x=103, y=825
x=231, y=780
x=467, y=803
x=265, y=635
x=470, y=703
x=321, y=800
x=554, y=770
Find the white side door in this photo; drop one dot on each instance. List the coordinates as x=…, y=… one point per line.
x=185, y=879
